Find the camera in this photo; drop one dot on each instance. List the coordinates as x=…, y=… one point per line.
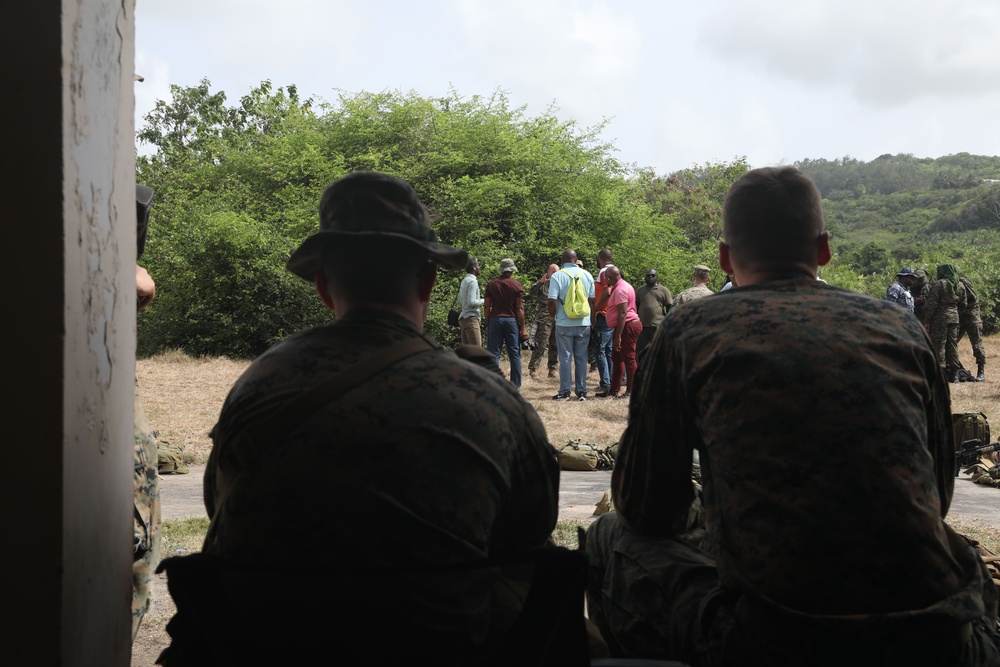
x=528, y=344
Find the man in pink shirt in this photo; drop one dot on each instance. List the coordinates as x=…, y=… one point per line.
x=623, y=320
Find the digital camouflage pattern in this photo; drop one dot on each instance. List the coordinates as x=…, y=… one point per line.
x=146, y=516
x=941, y=315
x=921, y=288
x=826, y=448
x=696, y=292
x=899, y=294
x=970, y=321
x=433, y=460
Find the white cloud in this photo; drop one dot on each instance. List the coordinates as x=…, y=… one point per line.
x=885, y=53
x=583, y=56
x=682, y=82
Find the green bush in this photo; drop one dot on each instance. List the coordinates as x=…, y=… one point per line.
x=222, y=289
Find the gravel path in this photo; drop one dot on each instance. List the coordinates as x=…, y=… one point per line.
x=578, y=493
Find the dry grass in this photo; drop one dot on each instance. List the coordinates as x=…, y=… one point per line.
x=183, y=395
x=980, y=396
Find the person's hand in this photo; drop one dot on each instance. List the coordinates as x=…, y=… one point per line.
x=145, y=288
x=523, y=333
x=616, y=342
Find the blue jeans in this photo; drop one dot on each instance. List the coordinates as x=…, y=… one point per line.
x=503, y=331
x=602, y=355
x=572, y=344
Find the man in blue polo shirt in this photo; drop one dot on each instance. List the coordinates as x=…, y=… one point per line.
x=572, y=335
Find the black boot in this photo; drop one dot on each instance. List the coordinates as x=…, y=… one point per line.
x=951, y=374
x=981, y=372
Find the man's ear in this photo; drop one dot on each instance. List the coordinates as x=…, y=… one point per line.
x=823, y=254
x=724, y=261
x=425, y=281
x=319, y=279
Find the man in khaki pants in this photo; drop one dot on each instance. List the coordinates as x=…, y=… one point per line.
x=470, y=302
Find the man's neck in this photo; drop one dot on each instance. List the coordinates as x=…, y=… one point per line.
x=745, y=278
x=414, y=312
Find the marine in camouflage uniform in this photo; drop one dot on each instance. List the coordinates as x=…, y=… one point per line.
x=940, y=317
x=431, y=461
x=920, y=290
x=146, y=516
x=542, y=331
x=823, y=498
x=970, y=321
x=700, y=289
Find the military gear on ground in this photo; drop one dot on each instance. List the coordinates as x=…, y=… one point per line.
x=170, y=459
x=576, y=455
x=971, y=426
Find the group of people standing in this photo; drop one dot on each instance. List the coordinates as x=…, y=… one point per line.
x=620, y=324
x=949, y=309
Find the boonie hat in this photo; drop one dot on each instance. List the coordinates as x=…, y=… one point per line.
x=371, y=205
x=906, y=271
x=507, y=266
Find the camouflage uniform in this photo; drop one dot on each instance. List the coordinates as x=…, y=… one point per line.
x=827, y=470
x=696, y=292
x=970, y=321
x=146, y=516
x=899, y=294
x=920, y=290
x=541, y=330
x=941, y=313
x=433, y=460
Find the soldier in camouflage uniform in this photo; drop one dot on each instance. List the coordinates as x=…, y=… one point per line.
x=920, y=289
x=899, y=291
x=825, y=484
x=970, y=321
x=434, y=460
x=145, y=482
x=541, y=330
x=146, y=516
x=700, y=279
x=940, y=318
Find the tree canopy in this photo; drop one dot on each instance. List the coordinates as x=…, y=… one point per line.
x=237, y=188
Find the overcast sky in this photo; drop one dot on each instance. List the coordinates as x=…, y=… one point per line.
x=682, y=83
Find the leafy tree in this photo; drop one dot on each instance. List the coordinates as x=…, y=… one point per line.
x=693, y=197
x=496, y=181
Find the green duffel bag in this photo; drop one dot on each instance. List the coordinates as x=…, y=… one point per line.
x=576, y=455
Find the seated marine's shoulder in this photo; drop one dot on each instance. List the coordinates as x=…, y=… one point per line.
x=479, y=356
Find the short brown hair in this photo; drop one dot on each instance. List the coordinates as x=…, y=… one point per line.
x=773, y=214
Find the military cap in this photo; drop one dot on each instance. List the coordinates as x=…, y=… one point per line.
x=507, y=266
x=906, y=271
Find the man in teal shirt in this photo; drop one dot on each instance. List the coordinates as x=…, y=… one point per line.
x=572, y=335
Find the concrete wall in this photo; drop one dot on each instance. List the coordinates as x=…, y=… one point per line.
x=70, y=334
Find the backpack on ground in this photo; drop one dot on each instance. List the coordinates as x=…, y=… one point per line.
x=971, y=425
x=576, y=455
x=576, y=304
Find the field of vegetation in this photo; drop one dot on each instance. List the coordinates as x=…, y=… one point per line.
x=237, y=188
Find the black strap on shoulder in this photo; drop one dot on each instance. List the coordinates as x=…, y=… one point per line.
x=311, y=400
